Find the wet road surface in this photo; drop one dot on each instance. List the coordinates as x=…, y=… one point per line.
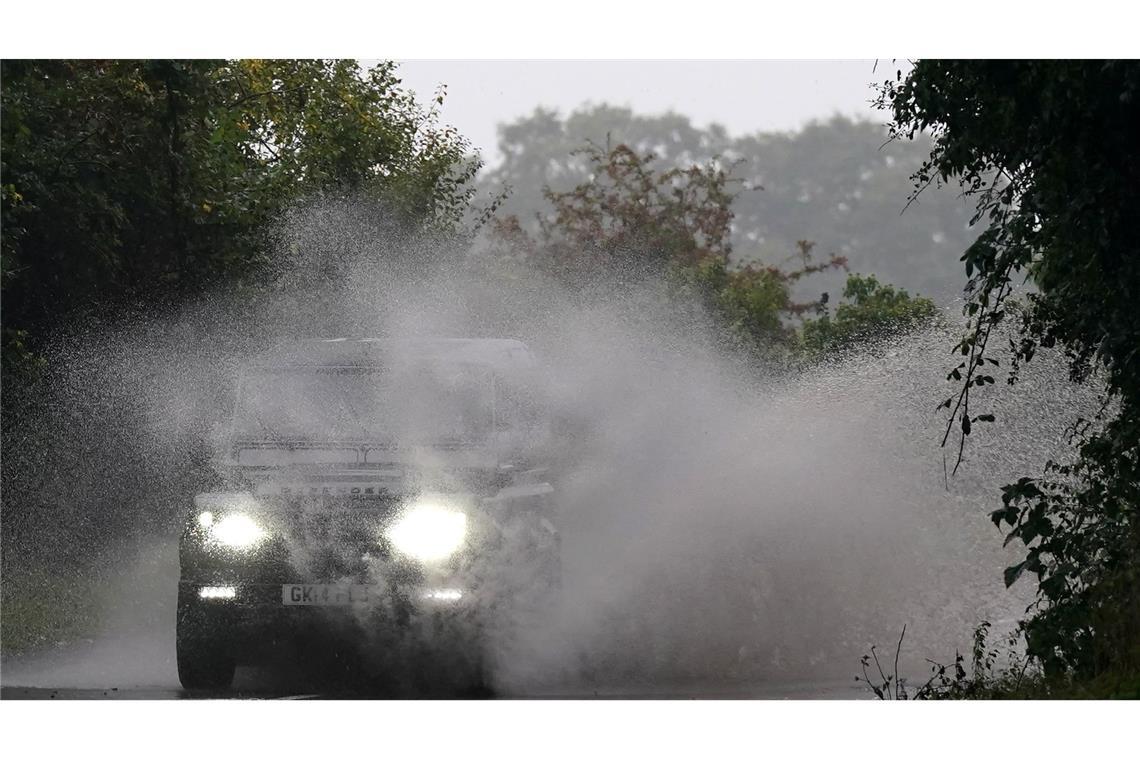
x=810, y=690
x=143, y=668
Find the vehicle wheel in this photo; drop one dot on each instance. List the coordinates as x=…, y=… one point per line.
x=458, y=667
x=469, y=680
x=477, y=686
x=203, y=661
x=204, y=667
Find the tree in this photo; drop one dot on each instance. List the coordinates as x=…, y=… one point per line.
x=873, y=311
x=322, y=125
x=634, y=221
x=833, y=182
x=142, y=182
x=1048, y=151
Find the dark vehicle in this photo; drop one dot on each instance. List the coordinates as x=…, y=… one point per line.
x=390, y=494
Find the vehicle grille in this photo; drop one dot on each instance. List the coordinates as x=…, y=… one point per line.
x=334, y=540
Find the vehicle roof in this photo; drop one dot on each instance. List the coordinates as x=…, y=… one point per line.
x=501, y=353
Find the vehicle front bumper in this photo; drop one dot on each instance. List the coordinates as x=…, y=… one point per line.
x=256, y=623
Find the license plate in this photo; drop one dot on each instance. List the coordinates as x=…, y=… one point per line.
x=320, y=595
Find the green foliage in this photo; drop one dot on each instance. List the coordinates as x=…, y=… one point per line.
x=832, y=182
x=631, y=216
x=998, y=670
x=20, y=364
x=140, y=182
x=632, y=221
x=1048, y=152
x=752, y=302
x=873, y=311
x=319, y=125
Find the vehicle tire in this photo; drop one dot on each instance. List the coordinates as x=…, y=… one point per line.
x=460, y=667
x=204, y=667
x=476, y=684
x=203, y=661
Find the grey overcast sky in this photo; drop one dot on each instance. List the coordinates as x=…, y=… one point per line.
x=744, y=96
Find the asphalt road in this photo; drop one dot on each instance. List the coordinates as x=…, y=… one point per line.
x=134, y=659
x=142, y=668
x=805, y=691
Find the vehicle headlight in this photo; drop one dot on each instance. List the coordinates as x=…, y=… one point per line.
x=428, y=532
x=236, y=530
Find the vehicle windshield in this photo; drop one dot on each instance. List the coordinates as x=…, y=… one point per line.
x=425, y=403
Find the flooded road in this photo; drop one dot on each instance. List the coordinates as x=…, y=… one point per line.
x=720, y=538
x=808, y=691
x=252, y=684
x=133, y=658
x=141, y=666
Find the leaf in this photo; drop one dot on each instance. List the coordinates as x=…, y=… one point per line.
x=1007, y=514
x=1013, y=573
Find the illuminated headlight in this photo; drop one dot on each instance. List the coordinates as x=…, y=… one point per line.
x=429, y=533
x=442, y=595
x=217, y=592
x=237, y=530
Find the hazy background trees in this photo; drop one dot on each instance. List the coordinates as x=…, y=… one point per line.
x=840, y=184
x=635, y=219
